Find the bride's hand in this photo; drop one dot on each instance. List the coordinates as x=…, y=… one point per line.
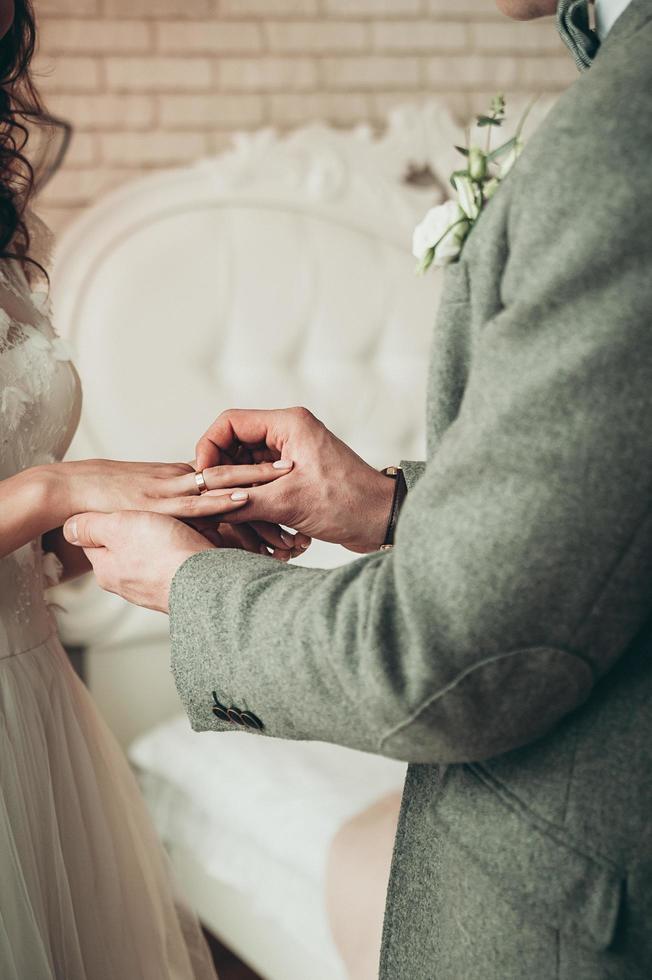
x=170, y=489
x=163, y=488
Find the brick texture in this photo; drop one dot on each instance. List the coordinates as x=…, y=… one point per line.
x=67, y=73
x=482, y=9
x=208, y=37
x=155, y=8
x=213, y=111
x=103, y=111
x=341, y=108
x=469, y=71
x=157, y=74
x=373, y=8
x=298, y=37
x=72, y=35
x=136, y=149
x=154, y=83
x=265, y=74
x=268, y=8
x=65, y=8
x=419, y=36
x=370, y=72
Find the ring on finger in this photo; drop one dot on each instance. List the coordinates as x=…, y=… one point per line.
x=201, y=482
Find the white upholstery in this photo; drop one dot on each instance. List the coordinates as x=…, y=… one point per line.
x=255, y=837
x=277, y=274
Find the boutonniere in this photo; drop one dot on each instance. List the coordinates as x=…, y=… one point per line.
x=439, y=238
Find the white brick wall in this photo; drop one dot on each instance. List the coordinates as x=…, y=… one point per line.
x=151, y=8
x=151, y=83
x=419, y=36
x=213, y=111
x=208, y=37
x=105, y=112
x=157, y=74
x=463, y=72
x=265, y=74
x=373, y=8
x=316, y=36
x=370, y=72
x=94, y=36
x=66, y=73
x=268, y=8
x=134, y=149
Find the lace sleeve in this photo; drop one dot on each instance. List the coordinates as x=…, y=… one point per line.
x=29, y=348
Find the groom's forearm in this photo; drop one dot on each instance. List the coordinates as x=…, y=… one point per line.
x=520, y=573
x=274, y=640
x=348, y=656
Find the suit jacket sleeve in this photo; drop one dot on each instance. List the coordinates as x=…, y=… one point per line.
x=522, y=567
x=412, y=471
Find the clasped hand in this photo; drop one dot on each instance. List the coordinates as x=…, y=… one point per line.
x=321, y=489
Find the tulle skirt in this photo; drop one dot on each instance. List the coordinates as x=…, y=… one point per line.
x=85, y=892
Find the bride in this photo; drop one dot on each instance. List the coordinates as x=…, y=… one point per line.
x=84, y=889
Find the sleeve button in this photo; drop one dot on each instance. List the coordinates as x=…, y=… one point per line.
x=250, y=720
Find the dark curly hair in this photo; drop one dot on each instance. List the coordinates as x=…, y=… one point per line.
x=21, y=112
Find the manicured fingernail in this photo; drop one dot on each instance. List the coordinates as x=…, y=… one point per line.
x=287, y=539
x=71, y=528
x=304, y=546
x=282, y=464
x=240, y=495
x=263, y=550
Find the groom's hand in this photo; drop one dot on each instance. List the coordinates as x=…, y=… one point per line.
x=330, y=493
x=135, y=554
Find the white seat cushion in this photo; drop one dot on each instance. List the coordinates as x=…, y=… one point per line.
x=259, y=814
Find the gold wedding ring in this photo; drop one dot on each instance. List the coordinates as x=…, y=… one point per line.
x=201, y=482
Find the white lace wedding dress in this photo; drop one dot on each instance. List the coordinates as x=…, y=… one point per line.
x=84, y=888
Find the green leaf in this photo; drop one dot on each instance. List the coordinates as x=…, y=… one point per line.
x=488, y=121
x=463, y=150
x=501, y=150
x=425, y=262
x=458, y=173
x=498, y=105
x=477, y=163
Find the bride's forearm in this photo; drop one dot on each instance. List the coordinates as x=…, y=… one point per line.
x=42, y=498
x=31, y=503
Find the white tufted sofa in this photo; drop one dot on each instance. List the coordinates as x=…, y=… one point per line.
x=279, y=273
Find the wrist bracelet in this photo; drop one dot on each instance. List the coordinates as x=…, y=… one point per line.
x=400, y=493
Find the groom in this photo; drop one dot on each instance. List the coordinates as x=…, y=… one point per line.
x=503, y=647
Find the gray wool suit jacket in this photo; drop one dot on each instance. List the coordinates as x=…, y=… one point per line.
x=504, y=647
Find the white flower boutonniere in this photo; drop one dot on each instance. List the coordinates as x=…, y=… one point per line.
x=439, y=238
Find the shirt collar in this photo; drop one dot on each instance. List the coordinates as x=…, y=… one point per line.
x=607, y=13
x=574, y=25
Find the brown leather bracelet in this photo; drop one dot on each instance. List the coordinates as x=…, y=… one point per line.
x=400, y=493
